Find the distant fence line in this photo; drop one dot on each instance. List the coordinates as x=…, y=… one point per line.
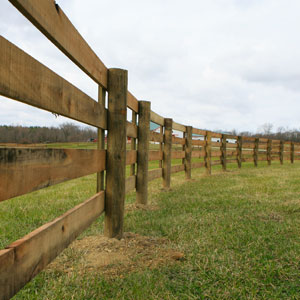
x=23, y=170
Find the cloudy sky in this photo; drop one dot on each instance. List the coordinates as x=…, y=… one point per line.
x=217, y=64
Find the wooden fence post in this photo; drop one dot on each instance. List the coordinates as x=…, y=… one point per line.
x=133, y=143
x=116, y=153
x=101, y=139
x=281, y=151
x=269, y=150
x=167, y=154
x=292, y=152
x=239, y=151
x=160, y=163
x=255, y=155
x=223, y=152
x=188, y=152
x=143, y=152
x=208, y=153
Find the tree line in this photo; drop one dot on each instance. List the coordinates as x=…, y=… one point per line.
x=66, y=132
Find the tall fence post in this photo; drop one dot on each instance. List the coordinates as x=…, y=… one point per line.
x=116, y=153
x=133, y=143
x=223, y=152
x=188, y=152
x=281, y=152
x=161, y=128
x=207, y=157
x=239, y=151
x=101, y=139
x=255, y=155
x=292, y=152
x=143, y=152
x=269, y=152
x=167, y=153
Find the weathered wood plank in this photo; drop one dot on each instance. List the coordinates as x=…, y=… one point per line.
x=199, y=131
x=156, y=173
x=198, y=153
x=188, y=148
x=131, y=157
x=179, y=127
x=24, y=79
x=116, y=153
x=167, y=153
x=156, y=137
x=155, y=155
x=177, y=154
x=216, y=135
x=154, y=117
x=50, y=19
x=25, y=170
x=130, y=183
x=177, y=140
x=216, y=162
x=198, y=143
x=198, y=165
x=132, y=102
x=143, y=151
x=131, y=130
x=35, y=251
x=177, y=168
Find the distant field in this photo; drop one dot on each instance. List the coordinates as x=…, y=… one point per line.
x=238, y=231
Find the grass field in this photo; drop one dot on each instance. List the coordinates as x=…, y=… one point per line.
x=238, y=231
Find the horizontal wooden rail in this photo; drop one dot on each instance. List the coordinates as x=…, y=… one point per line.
x=198, y=153
x=130, y=183
x=177, y=168
x=198, y=165
x=27, y=257
x=177, y=154
x=154, y=117
x=131, y=130
x=198, y=143
x=54, y=24
x=179, y=127
x=131, y=157
x=177, y=140
x=26, y=170
x=199, y=131
x=132, y=102
x=153, y=174
x=155, y=155
x=156, y=137
x=24, y=79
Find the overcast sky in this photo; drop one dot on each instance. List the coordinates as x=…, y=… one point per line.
x=217, y=64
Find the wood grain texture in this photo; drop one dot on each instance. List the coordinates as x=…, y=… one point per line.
x=25, y=170
x=35, y=251
x=198, y=165
x=131, y=130
x=207, y=157
x=132, y=102
x=24, y=79
x=223, y=152
x=216, y=135
x=198, y=153
x=292, y=152
x=177, y=140
x=156, y=137
x=177, y=168
x=198, y=143
x=116, y=153
x=188, y=148
x=155, y=155
x=143, y=151
x=239, y=151
x=133, y=143
x=179, y=127
x=154, y=117
x=55, y=25
x=131, y=157
x=177, y=154
x=154, y=174
x=130, y=183
x=199, y=131
x=167, y=154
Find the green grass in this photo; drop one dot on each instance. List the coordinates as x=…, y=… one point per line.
x=239, y=231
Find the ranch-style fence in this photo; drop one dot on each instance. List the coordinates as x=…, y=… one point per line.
x=23, y=170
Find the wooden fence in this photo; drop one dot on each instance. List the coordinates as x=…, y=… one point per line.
x=23, y=170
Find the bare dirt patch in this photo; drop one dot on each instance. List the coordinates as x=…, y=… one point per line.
x=114, y=257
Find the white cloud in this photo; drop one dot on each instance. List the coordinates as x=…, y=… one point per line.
x=211, y=64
